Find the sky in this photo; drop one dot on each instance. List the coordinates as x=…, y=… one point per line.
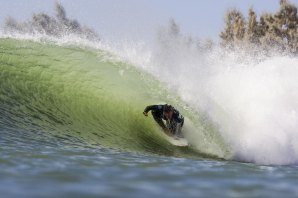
x=140, y=19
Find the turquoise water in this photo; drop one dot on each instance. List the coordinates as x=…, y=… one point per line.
x=71, y=125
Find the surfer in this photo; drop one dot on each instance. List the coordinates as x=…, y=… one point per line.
x=174, y=120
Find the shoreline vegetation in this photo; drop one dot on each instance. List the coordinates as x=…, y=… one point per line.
x=271, y=31
x=267, y=34
x=56, y=26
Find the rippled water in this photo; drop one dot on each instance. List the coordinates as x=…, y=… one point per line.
x=59, y=136
x=35, y=169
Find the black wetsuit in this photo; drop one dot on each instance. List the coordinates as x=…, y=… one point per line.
x=157, y=113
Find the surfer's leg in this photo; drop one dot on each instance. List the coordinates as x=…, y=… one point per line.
x=182, y=121
x=168, y=124
x=178, y=130
x=159, y=121
x=173, y=127
x=179, y=126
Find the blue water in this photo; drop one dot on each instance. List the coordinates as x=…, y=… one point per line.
x=33, y=169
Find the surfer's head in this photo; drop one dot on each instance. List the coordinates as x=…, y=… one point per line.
x=168, y=111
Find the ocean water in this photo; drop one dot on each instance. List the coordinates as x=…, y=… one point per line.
x=71, y=122
x=40, y=169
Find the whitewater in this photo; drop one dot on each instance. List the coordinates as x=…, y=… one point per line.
x=250, y=104
x=250, y=100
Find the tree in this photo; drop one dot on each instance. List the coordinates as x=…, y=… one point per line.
x=252, y=34
x=234, y=29
x=60, y=11
x=273, y=31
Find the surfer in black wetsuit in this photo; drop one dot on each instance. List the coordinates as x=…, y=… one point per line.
x=174, y=120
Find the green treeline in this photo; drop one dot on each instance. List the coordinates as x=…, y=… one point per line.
x=270, y=31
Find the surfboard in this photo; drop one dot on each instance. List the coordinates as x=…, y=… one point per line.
x=176, y=141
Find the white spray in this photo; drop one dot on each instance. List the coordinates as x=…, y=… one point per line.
x=254, y=104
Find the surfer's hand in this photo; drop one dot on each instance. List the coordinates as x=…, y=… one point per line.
x=145, y=114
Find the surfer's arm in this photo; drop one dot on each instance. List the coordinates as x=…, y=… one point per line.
x=151, y=108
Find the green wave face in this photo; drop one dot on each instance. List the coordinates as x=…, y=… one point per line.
x=80, y=97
